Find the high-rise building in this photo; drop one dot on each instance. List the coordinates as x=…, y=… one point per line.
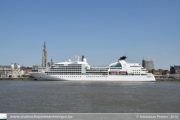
x=149, y=65
x=44, y=56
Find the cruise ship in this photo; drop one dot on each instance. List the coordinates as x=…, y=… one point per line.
x=80, y=70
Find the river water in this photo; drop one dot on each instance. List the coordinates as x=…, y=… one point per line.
x=89, y=97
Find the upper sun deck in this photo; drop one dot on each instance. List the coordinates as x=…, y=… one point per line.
x=121, y=63
x=74, y=62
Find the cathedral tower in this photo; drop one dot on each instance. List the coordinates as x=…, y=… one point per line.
x=44, y=56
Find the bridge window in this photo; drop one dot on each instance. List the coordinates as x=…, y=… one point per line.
x=116, y=65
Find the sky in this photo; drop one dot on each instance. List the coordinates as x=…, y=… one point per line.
x=102, y=30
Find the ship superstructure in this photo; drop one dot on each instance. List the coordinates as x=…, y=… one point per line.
x=80, y=70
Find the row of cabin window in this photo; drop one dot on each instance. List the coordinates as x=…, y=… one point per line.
x=70, y=65
x=96, y=76
x=137, y=74
x=64, y=74
x=66, y=70
x=96, y=70
x=92, y=76
x=67, y=76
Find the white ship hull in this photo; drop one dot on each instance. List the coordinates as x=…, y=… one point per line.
x=43, y=76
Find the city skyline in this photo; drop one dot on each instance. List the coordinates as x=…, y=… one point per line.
x=103, y=31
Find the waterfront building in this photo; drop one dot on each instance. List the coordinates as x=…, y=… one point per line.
x=27, y=70
x=23, y=68
x=157, y=72
x=167, y=72
x=44, y=56
x=149, y=65
x=175, y=69
x=4, y=70
x=11, y=71
x=50, y=63
x=160, y=72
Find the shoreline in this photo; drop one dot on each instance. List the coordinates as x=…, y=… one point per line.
x=18, y=79
x=167, y=80
x=32, y=79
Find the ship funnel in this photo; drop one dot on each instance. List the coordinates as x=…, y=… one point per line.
x=84, y=59
x=122, y=58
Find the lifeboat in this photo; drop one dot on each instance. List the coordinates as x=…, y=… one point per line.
x=113, y=72
x=122, y=72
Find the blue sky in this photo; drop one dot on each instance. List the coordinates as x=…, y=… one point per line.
x=102, y=30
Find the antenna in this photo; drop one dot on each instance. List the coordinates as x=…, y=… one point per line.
x=75, y=57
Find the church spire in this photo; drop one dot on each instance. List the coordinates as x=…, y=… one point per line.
x=44, y=56
x=44, y=45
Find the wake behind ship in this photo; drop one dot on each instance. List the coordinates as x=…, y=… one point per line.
x=82, y=71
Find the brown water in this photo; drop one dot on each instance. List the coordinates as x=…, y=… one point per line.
x=89, y=97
